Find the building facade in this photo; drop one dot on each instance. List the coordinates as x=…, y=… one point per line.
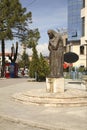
x=84, y=29
x=84, y=22
x=77, y=31
x=74, y=20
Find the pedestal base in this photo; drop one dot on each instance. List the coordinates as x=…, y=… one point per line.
x=55, y=85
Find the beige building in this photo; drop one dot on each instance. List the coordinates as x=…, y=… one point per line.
x=84, y=23
x=84, y=31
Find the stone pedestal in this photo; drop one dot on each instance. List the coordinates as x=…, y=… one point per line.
x=85, y=81
x=55, y=85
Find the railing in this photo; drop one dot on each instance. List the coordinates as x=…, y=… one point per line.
x=73, y=75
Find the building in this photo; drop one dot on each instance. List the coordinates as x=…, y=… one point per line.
x=84, y=22
x=76, y=25
x=84, y=29
x=74, y=20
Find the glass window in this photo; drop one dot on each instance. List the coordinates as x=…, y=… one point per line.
x=81, y=50
x=74, y=19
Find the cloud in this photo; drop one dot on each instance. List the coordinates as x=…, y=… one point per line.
x=41, y=48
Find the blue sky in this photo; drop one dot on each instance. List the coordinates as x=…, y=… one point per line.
x=46, y=14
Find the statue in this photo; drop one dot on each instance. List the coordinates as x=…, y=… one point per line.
x=13, y=68
x=56, y=54
x=14, y=53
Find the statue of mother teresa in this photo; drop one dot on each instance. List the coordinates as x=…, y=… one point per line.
x=56, y=57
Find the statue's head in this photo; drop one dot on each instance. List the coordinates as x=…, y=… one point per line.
x=52, y=33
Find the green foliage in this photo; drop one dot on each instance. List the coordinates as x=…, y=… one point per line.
x=39, y=67
x=44, y=69
x=13, y=19
x=14, y=22
x=81, y=69
x=24, y=62
x=31, y=38
x=34, y=64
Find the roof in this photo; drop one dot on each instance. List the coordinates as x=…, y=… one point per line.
x=6, y=54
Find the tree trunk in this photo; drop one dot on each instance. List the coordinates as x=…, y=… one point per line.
x=3, y=57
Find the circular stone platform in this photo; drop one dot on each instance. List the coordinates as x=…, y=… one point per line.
x=71, y=97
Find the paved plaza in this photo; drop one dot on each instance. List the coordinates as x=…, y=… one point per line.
x=15, y=115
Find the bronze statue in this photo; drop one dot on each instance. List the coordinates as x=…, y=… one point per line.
x=56, y=54
x=14, y=53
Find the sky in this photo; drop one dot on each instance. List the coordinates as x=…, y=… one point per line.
x=46, y=14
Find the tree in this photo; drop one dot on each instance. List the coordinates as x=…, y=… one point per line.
x=39, y=67
x=13, y=23
x=34, y=64
x=30, y=39
x=44, y=69
x=24, y=62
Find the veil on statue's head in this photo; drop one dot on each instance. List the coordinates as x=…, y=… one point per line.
x=55, y=34
x=50, y=31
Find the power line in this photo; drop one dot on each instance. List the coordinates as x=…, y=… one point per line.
x=31, y=3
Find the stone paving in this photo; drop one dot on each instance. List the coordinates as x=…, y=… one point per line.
x=71, y=97
x=18, y=116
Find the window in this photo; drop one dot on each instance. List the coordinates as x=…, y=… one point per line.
x=81, y=50
x=74, y=20
x=83, y=3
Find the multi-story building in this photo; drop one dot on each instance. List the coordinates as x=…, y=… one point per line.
x=84, y=22
x=84, y=29
x=74, y=20
x=76, y=25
